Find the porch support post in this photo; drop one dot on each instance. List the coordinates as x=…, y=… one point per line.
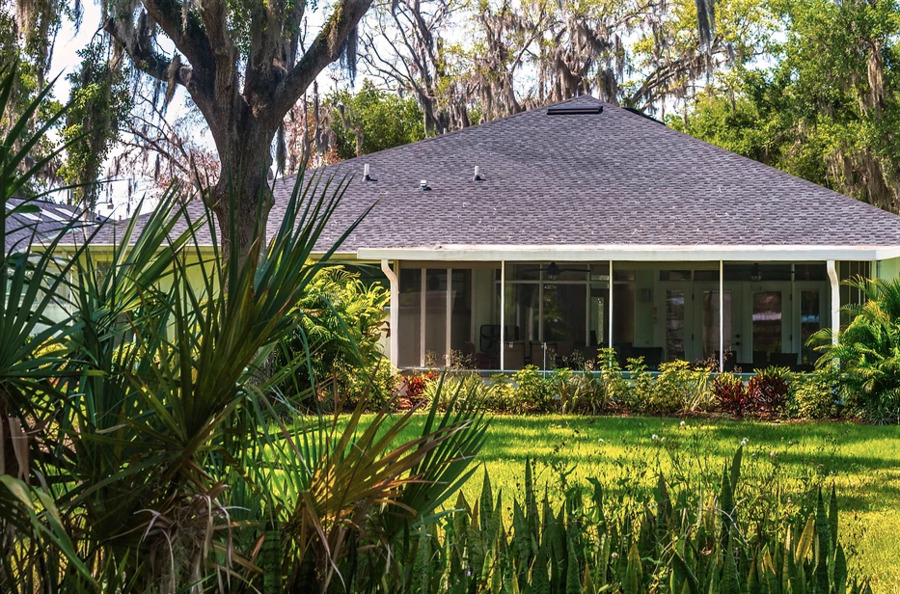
x=835, y=300
x=395, y=308
x=502, y=315
x=449, y=312
x=610, y=329
x=721, y=316
x=423, y=286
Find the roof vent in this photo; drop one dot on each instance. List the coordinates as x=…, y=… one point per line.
x=366, y=172
x=424, y=185
x=477, y=176
x=568, y=109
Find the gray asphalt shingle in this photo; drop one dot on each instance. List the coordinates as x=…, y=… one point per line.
x=614, y=178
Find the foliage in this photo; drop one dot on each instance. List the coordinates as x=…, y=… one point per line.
x=146, y=451
x=341, y=326
x=372, y=120
x=868, y=352
x=376, y=385
x=824, y=106
x=678, y=388
x=417, y=384
x=641, y=392
x=35, y=540
x=100, y=94
x=765, y=394
x=681, y=541
x=532, y=389
x=681, y=388
x=813, y=396
x=768, y=391
x=26, y=65
x=732, y=394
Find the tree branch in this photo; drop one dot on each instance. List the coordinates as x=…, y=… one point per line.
x=143, y=55
x=325, y=49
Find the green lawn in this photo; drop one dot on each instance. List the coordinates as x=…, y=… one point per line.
x=863, y=462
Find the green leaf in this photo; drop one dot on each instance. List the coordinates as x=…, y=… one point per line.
x=634, y=571
x=682, y=576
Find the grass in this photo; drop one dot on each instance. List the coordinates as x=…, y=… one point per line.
x=863, y=462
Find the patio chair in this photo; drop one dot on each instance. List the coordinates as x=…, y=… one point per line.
x=514, y=354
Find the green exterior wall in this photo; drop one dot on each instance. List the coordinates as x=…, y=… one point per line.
x=889, y=269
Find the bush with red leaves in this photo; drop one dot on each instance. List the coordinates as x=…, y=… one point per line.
x=769, y=390
x=732, y=395
x=416, y=384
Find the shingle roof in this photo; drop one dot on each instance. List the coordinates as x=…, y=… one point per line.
x=41, y=221
x=614, y=178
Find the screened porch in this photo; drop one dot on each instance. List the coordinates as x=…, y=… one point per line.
x=504, y=316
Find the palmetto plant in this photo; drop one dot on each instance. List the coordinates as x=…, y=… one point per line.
x=144, y=450
x=32, y=533
x=866, y=356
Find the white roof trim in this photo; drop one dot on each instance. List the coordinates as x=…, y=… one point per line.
x=636, y=253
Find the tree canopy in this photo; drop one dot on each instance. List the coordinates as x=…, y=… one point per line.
x=826, y=106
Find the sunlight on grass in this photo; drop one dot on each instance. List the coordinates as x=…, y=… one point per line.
x=863, y=462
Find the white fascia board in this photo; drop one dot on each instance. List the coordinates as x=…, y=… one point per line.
x=634, y=253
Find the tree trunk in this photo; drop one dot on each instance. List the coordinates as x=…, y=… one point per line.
x=242, y=197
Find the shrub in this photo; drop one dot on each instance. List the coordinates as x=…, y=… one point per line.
x=732, y=395
x=532, y=391
x=813, y=396
x=768, y=391
x=446, y=388
x=640, y=392
x=583, y=392
x=680, y=388
x=340, y=329
x=377, y=385
x=868, y=352
x=416, y=384
x=615, y=386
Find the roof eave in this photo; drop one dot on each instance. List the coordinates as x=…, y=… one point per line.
x=634, y=253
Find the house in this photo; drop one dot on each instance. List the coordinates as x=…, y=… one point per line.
x=543, y=236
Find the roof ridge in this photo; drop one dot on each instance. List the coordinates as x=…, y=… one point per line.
x=469, y=129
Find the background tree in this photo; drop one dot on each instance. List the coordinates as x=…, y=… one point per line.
x=100, y=96
x=21, y=49
x=517, y=55
x=825, y=105
x=373, y=120
x=404, y=46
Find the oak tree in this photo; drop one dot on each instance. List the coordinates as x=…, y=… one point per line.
x=243, y=63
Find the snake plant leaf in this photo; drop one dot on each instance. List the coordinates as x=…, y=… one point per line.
x=833, y=517
x=631, y=584
x=805, y=543
x=823, y=552
x=736, y=468
x=540, y=576
x=573, y=577
x=271, y=559
x=682, y=576
x=839, y=580
x=588, y=586
x=730, y=583
x=487, y=499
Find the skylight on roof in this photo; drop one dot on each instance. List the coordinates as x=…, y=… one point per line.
x=574, y=109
